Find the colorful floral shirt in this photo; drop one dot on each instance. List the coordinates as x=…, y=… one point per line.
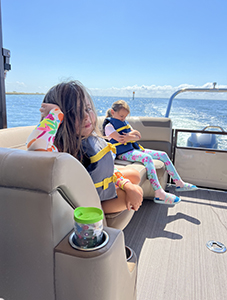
x=42, y=137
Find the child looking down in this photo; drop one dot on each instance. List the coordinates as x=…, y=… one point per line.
x=122, y=135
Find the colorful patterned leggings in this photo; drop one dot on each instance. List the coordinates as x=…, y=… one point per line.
x=146, y=157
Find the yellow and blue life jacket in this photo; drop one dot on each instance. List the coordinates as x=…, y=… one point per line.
x=101, y=166
x=120, y=128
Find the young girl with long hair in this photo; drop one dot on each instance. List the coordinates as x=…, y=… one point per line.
x=120, y=133
x=69, y=124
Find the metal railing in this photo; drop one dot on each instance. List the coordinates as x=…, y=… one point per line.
x=210, y=90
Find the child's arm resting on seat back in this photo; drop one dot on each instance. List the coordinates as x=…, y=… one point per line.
x=42, y=137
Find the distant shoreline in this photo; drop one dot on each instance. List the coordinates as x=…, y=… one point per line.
x=20, y=93
x=181, y=97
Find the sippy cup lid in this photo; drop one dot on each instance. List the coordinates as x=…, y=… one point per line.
x=88, y=215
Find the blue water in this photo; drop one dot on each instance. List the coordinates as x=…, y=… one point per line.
x=23, y=110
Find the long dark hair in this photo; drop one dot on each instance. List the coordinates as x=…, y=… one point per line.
x=70, y=97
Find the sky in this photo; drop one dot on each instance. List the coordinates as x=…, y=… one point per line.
x=115, y=47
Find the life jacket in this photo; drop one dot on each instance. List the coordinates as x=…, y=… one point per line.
x=121, y=127
x=101, y=167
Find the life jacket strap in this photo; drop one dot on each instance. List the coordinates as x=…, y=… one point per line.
x=124, y=127
x=105, y=183
x=100, y=154
x=118, y=144
x=141, y=147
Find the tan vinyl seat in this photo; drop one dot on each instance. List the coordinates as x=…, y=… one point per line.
x=156, y=134
x=38, y=194
x=38, y=191
x=15, y=138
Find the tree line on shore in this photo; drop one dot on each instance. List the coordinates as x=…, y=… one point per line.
x=21, y=93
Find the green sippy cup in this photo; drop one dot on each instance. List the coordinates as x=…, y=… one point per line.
x=88, y=226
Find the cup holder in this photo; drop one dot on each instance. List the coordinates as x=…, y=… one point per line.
x=73, y=243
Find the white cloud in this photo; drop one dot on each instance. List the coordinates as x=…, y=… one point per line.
x=17, y=86
x=151, y=91
x=20, y=84
x=164, y=91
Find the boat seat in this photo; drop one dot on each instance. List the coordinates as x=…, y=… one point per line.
x=15, y=138
x=156, y=134
x=38, y=194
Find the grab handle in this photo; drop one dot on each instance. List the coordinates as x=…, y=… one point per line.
x=218, y=127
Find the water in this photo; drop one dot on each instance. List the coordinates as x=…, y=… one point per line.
x=23, y=110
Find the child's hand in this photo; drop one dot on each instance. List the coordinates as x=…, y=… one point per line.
x=121, y=139
x=126, y=137
x=46, y=108
x=130, y=136
x=137, y=134
x=133, y=135
x=134, y=196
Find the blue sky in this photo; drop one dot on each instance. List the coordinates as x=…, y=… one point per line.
x=116, y=46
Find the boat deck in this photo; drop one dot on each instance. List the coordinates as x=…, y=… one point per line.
x=170, y=243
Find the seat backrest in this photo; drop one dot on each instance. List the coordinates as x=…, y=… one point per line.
x=38, y=191
x=156, y=132
x=15, y=137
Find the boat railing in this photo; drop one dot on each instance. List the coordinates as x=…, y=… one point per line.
x=209, y=90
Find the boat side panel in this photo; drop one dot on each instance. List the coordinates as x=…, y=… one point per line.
x=202, y=167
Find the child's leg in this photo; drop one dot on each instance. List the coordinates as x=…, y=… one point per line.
x=130, y=198
x=132, y=174
x=167, y=162
x=146, y=159
x=180, y=184
x=114, y=205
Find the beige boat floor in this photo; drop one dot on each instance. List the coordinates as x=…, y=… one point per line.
x=170, y=243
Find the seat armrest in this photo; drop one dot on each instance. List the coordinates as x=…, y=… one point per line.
x=47, y=172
